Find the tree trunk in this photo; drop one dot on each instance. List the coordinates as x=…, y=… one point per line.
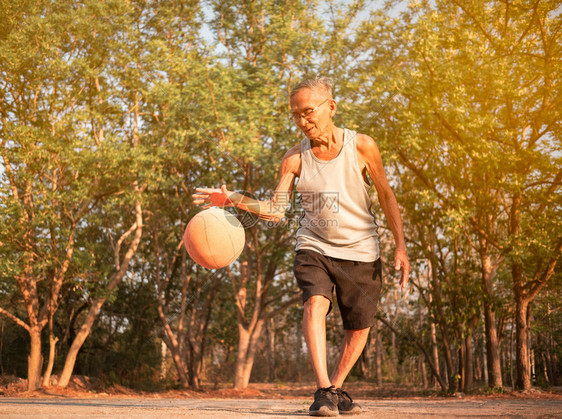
x=176, y=344
x=477, y=367
x=523, y=381
x=271, y=358
x=448, y=358
x=364, y=361
x=547, y=356
x=462, y=366
x=392, y=360
x=493, y=360
x=442, y=322
x=378, y=354
x=485, y=365
x=469, y=355
x=420, y=346
x=247, y=345
x=77, y=343
x=545, y=368
x=197, y=329
x=1, y=346
x=510, y=354
x=435, y=353
x=240, y=380
x=163, y=364
x=469, y=364
x=52, y=350
x=177, y=356
x=34, y=360
x=421, y=363
x=434, y=348
x=492, y=349
x=548, y=365
x=98, y=303
x=524, y=294
x=423, y=372
x=195, y=365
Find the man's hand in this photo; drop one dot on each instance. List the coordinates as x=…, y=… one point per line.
x=401, y=263
x=212, y=197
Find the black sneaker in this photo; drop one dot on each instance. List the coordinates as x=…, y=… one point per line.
x=325, y=402
x=346, y=405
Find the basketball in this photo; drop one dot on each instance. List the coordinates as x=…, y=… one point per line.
x=214, y=238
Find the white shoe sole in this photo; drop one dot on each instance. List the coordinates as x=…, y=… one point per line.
x=324, y=411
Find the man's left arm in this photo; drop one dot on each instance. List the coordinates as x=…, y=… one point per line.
x=370, y=158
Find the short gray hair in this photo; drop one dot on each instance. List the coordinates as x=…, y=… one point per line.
x=323, y=83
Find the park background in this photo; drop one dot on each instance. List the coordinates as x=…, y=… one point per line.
x=112, y=112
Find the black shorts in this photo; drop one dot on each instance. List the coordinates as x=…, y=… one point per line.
x=358, y=285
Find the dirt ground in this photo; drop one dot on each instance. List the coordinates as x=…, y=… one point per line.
x=267, y=401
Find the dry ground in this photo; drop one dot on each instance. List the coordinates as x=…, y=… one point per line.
x=83, y=400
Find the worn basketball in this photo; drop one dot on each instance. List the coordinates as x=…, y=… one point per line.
x=214, y=238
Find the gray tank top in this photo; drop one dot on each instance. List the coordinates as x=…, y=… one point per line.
x=337, y=220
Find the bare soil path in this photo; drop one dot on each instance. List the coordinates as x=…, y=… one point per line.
x=262, y=400
x=130, y=407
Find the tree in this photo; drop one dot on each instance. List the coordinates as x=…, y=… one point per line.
x=73, y=120
x=475, y=118
x=266, y=44
x=47, y=185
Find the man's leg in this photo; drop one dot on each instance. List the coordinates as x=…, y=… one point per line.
x=314, y=330
x=352, y=346
x=326, y=397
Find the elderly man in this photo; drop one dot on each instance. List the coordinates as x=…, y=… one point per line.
x=337, y=243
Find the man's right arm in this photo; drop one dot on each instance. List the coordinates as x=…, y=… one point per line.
x=272, y=210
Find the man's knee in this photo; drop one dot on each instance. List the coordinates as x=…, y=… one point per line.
x=358, y=332
x=357, y=336
x=317, y=304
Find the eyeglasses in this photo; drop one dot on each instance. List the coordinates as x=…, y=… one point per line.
x=295, y=116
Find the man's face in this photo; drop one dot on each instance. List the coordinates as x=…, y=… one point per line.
x=316, y=123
